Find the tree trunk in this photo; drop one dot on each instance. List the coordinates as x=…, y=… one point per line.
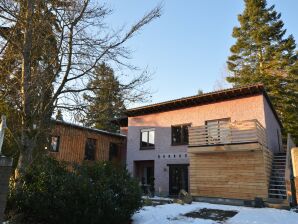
x=27, y=140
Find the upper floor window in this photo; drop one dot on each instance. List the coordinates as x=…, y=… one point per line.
x=90, y=149
x=180, y=134
x=55, y=143
x=147, y=139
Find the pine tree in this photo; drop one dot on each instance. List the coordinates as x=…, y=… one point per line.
x=262, y=54
x=106, y=101
x=59, y=115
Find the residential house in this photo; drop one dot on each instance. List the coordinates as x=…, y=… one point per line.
x=218, y=145
x=75, y=143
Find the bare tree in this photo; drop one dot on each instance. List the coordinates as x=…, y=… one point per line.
x=56, y=46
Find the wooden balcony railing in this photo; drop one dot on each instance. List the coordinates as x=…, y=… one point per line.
x=228, y=133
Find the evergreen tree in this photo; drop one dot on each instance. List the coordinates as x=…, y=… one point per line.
x=262, y=54
x=106, y=101
x=59, y=115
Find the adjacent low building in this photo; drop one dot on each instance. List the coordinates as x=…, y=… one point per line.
x=74, y=143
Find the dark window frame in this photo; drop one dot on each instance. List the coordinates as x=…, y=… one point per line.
x=58, y=143
x=181, y=142
x=113, y=152
x=148, y=147
x=87, y=157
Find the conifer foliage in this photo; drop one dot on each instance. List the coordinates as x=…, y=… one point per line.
x=264, y=54
x=106, y=101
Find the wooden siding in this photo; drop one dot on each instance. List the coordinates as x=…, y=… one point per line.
x=234, y=175
x=73, y=140
x=294, y=155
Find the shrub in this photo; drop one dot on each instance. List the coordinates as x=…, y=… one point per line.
x=50, y=193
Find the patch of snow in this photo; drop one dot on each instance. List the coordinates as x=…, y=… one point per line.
x=158, y=198
x=173, y=214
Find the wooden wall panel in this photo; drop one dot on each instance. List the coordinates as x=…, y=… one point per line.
x=72, y=144
x=294, y=155
x=237, y=175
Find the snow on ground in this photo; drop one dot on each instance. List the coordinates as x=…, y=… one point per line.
x=173, y=214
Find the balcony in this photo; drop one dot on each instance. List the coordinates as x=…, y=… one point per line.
x=226, y=135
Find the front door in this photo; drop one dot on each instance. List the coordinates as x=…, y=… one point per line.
x=178, y=175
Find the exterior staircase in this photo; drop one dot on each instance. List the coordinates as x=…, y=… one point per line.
x=277, y=187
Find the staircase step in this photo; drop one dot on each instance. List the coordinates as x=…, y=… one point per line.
x=272, y=195
x=278, y=167
x=277, y=182
x=277, y=177
x=277, y=189
x=277, y=185
x=277, y=192
x=281, y=153
x=277, y=173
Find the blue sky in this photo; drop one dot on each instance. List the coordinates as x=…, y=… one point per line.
x=186, y=49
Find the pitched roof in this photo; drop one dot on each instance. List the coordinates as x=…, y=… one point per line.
x=99, y=131
x=206, y=98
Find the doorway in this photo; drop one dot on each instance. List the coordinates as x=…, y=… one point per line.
x=144, y=172
x=178, y=178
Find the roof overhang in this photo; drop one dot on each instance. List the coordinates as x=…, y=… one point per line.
x=207, y=98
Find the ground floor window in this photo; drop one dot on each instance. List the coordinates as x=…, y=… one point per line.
x=90, y=149
x=55, y=143
x=113, y=151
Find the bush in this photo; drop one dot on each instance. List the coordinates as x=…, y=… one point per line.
x=50, y=193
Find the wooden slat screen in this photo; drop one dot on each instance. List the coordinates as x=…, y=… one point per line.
x=228, y=133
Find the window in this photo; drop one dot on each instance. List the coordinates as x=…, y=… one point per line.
x=180, y=134
x=113, y=152
x=55, y=142
x=147, y=139
x=90, y=148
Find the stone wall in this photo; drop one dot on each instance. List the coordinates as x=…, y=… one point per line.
x=5, y=172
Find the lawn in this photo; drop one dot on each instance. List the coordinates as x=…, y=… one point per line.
x=204, y=213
